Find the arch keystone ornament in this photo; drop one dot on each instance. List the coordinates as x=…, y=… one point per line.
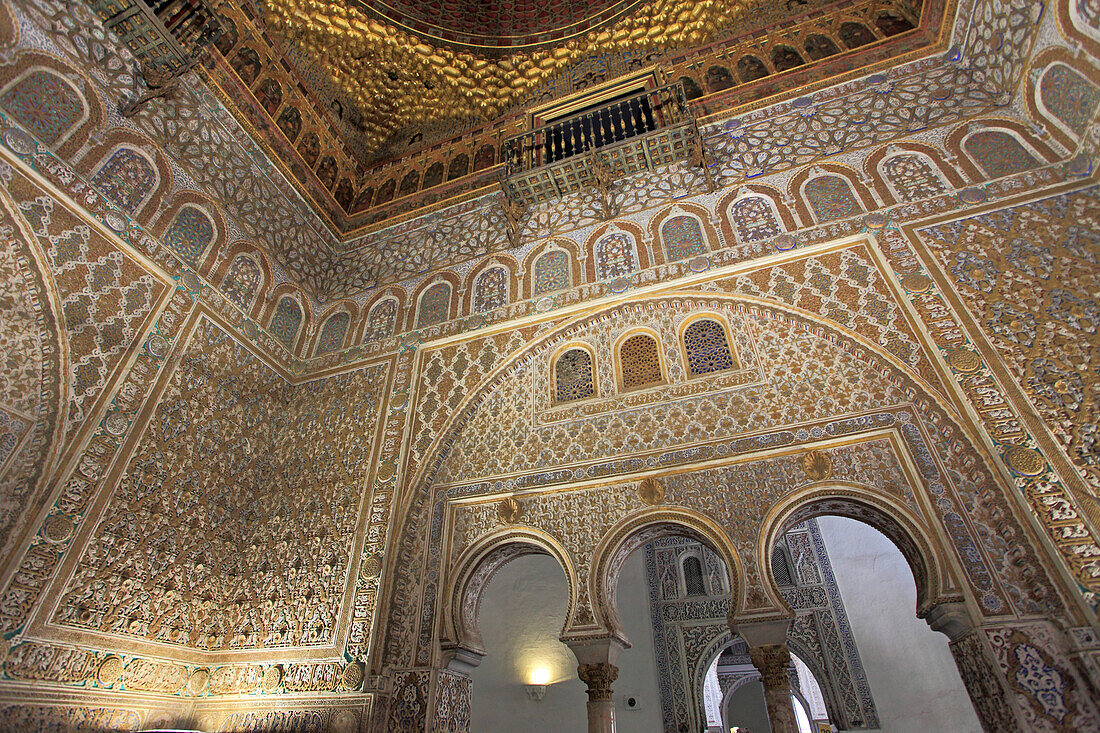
x=816, y=465
x=509, y=510
x=651, y=492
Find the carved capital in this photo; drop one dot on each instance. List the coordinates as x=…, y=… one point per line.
x=772, y=661
x=598, y=677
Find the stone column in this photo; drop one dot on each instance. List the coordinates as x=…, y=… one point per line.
x=601, y=708
x=773, y=661
x=596, y=667
x=768, y=651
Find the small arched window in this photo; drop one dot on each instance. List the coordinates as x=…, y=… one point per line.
x=491, y=289
x=286, y=321
x=912, y=177
x=127, y=177
x=1069, y=96
x=435, y=305
x=189, y=234
x=683, y=237
x=45, y=104
x=381, y=320
x=332, y=333
x=831, y=198
x=754, y=219
x=999, y=153
x=706, y=347
x=573, y=378
x=781, y=568
x=640, y=362
x=615, y=256
x=551, y=271
x=242, y=281
x=693, y=576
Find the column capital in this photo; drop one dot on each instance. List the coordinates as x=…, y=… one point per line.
x=772, y=661
x=599, y=678
x=950, y=619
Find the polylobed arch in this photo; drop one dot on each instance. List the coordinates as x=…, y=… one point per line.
x=460, y=633
x=644, y=526
x=933, y=573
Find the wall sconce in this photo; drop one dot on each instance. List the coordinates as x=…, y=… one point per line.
x=537, y=689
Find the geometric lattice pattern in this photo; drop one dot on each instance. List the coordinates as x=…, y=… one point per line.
x=242, y=281
x=615, y=256
x=640, y=362
x=332, y=333
x=126, y=178
x=706, y=347
x=573, y=376
x=491, y=289
x=999, y=153
x=1069, y=96
x=754, y=219
x=831, y=198
x=551, y=272
x=435, y=305
x=189, y=234
x=45, y=105
x=912, y=177
x=286, y=321
x=381, y=320
x=683, y=238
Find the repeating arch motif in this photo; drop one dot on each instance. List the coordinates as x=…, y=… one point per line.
x=831, y=197
x=754, y=219
x=287, y=321
x=491, y=289
x=552, y=271
x=615, y=256
x=242, y=281
x=381, y=320
x=332, y=333
x=707, y=347
x=127, y=178
x=47, y=105
x=1069, y=96
x=435, y=305
x=190, y=234
x=912, y=177
x=640, y=361
x=574, y=376
x=682, y=236
x=999, y=153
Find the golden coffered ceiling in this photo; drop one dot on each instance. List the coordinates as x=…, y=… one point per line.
x=451, y=75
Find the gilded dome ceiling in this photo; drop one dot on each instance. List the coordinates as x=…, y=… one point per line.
x=494, y=28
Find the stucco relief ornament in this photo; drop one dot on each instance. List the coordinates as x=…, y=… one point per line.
x=273, y=677
x=1025, y=461
x=509, y=510
x=58, y=528
x=964, y=360
x=198, y=681
x=115, y=423
x=372, y=566
x=816, y=465
x=916, y=283
x=351, y=678
x=651, y=492
x=157, y=345
x=109, y=671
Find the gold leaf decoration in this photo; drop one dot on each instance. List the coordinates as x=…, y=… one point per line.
x=816, y=465
x=651, y=492
x=509, y=510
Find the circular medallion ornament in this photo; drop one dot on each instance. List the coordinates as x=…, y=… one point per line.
x=876, y=79
x=386, y=471
x=619, y=285
x=351, y=677
x=1025, y=461
x=544, y=304
x=509, y=510
x=399, y=400
x=109, y=671
x=973, y=195
x=916, y=283
x=372, y=566
x=197, y=682
x=191, y=281
x=699, y=264
x=250, y=329
x=116, y=221
x=802, y=102
x=816, y=465
x=273, y=677
x=651, y=492
x=964, y=360
x=785, y=242
x=58, y=528
x=157, y=345
x=115, y=423
x=20, y=142
x=875, y=220
x=475, y=321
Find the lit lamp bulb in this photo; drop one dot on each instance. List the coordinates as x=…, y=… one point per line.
x=540, y=676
